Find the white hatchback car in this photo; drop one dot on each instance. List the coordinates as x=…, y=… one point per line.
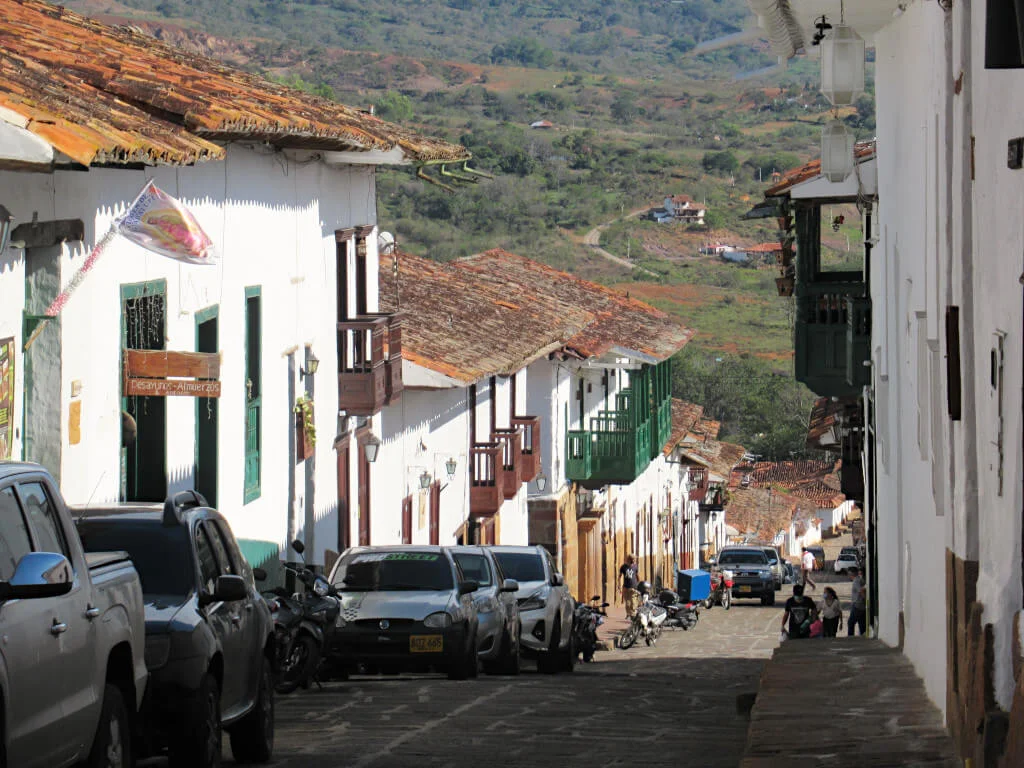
x=845, y=562
x=545, y=606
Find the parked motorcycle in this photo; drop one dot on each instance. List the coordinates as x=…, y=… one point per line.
x=302, y=624
x=680, y=615
x=647, y=623
x=721, y=590
x=587, y=617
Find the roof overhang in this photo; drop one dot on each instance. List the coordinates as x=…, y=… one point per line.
x=417, y=377
x=20, y=149
x=789, y=23
x=393, y=156
x=863, y=182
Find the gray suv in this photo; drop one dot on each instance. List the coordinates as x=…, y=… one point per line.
x=545, y=606
x=752, y=574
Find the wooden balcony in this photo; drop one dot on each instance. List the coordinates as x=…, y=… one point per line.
x=530, y=425
x=369, y=363
x=511, y=442
x=487, y=479
x=821, y=333
x=858, y=341
x=698, y=481
x=611, y=452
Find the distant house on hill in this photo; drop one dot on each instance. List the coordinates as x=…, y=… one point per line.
x=767, y=253
x=543, y=124
x=683, y=208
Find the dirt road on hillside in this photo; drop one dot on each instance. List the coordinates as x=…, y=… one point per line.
x=593, y=241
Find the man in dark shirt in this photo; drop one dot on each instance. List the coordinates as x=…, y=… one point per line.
x=800, y=612
x=629, y=582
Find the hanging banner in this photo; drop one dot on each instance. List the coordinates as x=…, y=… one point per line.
x=155, y=221
x=6, y=397
x=162, y=373
x=159, y=223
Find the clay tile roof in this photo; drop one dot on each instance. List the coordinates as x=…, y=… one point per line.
x=811, y=480
x=755, y=511
x=762, y=248
x=620, y=324
x=685, y=417
x=721, y=457
x=862, y=150
x=467, y=328
x=103, y=94
x=494, y=313
x=709, y=428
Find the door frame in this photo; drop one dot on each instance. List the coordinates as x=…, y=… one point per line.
x=204, y=316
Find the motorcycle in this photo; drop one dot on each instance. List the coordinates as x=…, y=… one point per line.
x=587, y=617
x=302, y=624
x=679, y=615
x=647, y=623
x=721, y=590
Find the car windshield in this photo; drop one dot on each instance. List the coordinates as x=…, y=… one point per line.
x=161, y=553
x=474, y=567
x=772, y=557
x=743, y=557
x=391, y=571
x=521, y=566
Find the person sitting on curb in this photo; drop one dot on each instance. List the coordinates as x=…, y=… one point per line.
x=800, y=612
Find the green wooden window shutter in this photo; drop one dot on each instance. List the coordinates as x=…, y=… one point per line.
x=253, y=392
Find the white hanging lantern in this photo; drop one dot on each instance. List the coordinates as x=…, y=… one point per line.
x=842, y=66
x=836, y=151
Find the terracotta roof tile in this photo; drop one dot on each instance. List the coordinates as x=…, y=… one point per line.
x=812, y=480
x=494, y=314
x=721, y=457
x=685, y=417
x=103, y=94
x=620, y=323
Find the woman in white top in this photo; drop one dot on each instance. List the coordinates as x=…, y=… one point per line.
x=831, y=612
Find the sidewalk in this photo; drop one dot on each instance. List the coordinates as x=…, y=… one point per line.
x=614, y=625
x=844, y=703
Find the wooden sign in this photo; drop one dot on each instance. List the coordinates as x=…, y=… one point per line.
x=160, y=373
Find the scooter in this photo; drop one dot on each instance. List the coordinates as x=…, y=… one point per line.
x=587, y=617
x=305, y=621
x=647, y=622
x=679, y=615
x=721, y=590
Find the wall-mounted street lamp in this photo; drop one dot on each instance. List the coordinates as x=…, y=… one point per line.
x=312, y=363
x=450, y=466
x=542, y=482
x=425, y=480
x=6, y=225
x=371, y=446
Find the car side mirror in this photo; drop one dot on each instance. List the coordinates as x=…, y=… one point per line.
x=298, y=546
x=37, y=575
x=229, y=588
x=465, y=587
x=510, y=585
x=557, y=580
x=259, y=574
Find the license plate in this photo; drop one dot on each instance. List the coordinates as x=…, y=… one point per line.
x=426, y=643
x=743, y=589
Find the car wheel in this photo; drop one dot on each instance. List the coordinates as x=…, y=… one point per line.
x=112, y=744
x=508, y=662
x=464, y=667
x=568, y=656
x=198, y=743
x=548, y=661
x=252, y=740
x=769, y=599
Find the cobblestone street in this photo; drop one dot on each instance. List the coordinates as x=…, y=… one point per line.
x=668, y=705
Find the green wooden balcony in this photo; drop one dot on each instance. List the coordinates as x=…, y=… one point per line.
x=832, y=333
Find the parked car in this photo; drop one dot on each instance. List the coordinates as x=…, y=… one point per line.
x=404, y=607
x=778, y=570
x=209, y=634
x=72, y=662
x=752, y=573
x=545, y=606
x=496, y=607
x=845, y=562
x=819, y=557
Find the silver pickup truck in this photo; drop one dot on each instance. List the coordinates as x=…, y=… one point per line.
x=72, y=656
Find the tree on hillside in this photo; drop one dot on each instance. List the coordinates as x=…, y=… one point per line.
x=523, y=50
x=721, y=163
x=394, y=106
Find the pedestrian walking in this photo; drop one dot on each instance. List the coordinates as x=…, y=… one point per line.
x=806, y=566
x=831, y=611
x=858, y=603
x=800, y=612
x=628, y=588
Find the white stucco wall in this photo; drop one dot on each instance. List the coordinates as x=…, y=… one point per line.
x=272, y=220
